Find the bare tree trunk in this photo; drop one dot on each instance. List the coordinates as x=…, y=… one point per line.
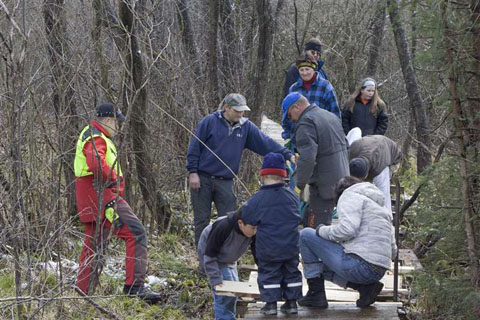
x=137, y=98
x=230, y=69
x=462, y=140
x=212, y=43
x=416, y=102
x=187, y=34
x=377, y=37
x=268, y=24
x=64, y=91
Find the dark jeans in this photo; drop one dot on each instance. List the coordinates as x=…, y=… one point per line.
x=321, y=256
x=218, y=191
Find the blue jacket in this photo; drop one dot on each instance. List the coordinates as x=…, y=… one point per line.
x=321, y=93
x=227, y=142
x=276, y=209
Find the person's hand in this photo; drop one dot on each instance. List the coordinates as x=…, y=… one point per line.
x=194, y=181
x=218, y=286
x=317, y=231
x=300, y=193
x=293, y=160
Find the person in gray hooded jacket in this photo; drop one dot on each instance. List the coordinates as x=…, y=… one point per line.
x=354, y=253
x=221, y=244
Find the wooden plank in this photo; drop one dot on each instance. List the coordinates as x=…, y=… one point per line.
x=408, y=257
x=272, y=129
x=335, y=310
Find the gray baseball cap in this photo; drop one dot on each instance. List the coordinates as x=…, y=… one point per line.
x=235, y=101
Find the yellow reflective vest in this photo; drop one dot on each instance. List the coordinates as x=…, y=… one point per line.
x=80, y=164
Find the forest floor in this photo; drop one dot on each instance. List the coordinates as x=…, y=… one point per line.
x=172, y=271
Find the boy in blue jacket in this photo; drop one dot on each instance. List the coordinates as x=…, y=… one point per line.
x=276, y=212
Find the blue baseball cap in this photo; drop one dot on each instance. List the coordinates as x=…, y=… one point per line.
x=287, y=102
x=107, y=110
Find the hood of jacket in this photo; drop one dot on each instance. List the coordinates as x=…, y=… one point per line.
x=370, y=191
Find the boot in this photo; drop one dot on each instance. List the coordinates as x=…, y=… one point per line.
x=289, y=307
x=316, y=294
x=269, y=309
x=142, y=292
x=368, y=292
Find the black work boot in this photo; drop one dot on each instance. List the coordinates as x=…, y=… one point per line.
x=142, y=292
x=269, y=309
x=289, y=307
x=368, y=292
x=316, y=294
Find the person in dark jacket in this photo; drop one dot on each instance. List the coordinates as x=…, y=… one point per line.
x=276, y=212
x=221, y=245
x=323, y=159
x=365, y=110
x=371, y=158
x=214, y=155
x=313, y=49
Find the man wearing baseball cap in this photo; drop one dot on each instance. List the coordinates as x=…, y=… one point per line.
x=214, y=155
x=323, y=159
x=99, y=187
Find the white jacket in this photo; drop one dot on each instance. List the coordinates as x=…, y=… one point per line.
x=365, y=225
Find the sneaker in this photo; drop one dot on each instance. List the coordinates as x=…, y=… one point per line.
x=289, y=307
x=269, y=309
x=368, y=293
x=315, y=296
x=142, y=292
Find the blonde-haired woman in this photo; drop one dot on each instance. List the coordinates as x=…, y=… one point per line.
x=365, y=110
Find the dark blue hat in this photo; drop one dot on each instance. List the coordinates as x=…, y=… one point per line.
x=287, y=102
x=107, y=110
x=273, y=165
x=359, y=167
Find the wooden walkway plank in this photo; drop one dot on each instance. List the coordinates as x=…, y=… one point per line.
x=335, y=311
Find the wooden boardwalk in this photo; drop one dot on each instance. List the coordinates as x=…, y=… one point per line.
x=341, y=301
x=335, y=310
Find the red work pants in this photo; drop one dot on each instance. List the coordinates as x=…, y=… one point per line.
x=129, y=229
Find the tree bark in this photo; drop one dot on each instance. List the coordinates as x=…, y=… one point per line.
x=137, y=99
x=187, y=34
x=212, y=43
x=416, y=102
x=267, y=25
x=64, y=92
x=377, y=37
x=462, y=140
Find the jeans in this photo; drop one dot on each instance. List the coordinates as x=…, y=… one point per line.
x=321, y=256
x=224, y=306
x=211, y=190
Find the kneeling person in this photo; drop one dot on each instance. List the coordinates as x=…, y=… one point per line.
x=221, y=244
x=276, y=212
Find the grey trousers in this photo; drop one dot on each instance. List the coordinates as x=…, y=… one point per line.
x=218, y=191
x=319, y=209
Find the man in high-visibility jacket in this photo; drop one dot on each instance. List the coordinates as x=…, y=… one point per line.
x=99, y=189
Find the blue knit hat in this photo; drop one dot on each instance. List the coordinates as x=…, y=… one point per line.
x=359, y=167
x=273, y=165
x=287, y=102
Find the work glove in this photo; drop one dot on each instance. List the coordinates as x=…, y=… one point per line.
x=111, y=215
x=300, y=193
